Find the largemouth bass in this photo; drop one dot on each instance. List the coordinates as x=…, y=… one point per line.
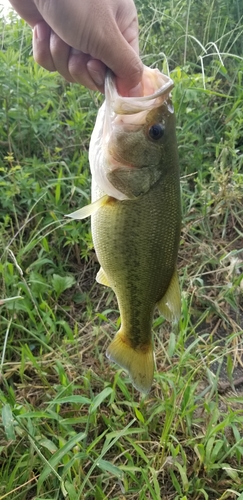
x=136, y=215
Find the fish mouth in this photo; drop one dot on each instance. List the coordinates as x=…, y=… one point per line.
x=156, y=90
x=131, y=112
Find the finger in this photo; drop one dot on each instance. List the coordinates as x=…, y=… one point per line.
x=78, y=69
x=131, y=35
x=123, y=40
x=97, y=71
x=41, y=46
x=54, y=54
x=101, y=44
x=60, y=53
x=28, y=11
x=128, y=67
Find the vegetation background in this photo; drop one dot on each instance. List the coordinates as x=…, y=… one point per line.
x=72, y=426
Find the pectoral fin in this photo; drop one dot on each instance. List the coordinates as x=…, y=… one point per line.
x=170, y=304
x=102, y=278
x=88, y=210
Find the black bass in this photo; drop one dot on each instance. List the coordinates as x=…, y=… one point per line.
x=136, y=215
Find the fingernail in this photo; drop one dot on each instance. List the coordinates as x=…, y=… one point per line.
x=41, y=31
x=136, y=91
x=96, y=76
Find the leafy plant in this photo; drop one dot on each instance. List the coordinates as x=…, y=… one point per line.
x=72, y=426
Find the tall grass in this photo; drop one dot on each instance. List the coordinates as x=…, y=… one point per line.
x=72, y=426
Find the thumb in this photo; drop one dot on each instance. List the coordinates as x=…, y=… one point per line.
x=126, y=85
x=121, y=58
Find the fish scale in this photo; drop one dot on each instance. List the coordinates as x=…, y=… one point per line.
x=138, y=257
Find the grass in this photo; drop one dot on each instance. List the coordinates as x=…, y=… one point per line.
x=72, y=426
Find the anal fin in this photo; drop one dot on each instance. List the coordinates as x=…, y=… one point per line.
x=170, y=304
x=102, y=278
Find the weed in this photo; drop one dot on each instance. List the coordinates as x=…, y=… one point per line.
x=72, y=426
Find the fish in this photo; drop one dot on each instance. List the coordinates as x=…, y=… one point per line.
x=136, y=215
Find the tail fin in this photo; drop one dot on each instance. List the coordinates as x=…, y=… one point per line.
x=138, y=362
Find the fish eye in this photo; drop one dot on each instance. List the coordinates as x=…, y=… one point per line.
x=156, y=131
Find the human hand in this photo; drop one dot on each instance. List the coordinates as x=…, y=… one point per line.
x=80, y=39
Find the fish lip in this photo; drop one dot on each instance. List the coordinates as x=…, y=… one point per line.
x=132, y=105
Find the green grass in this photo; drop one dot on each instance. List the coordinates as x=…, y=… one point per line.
x=72, y=426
